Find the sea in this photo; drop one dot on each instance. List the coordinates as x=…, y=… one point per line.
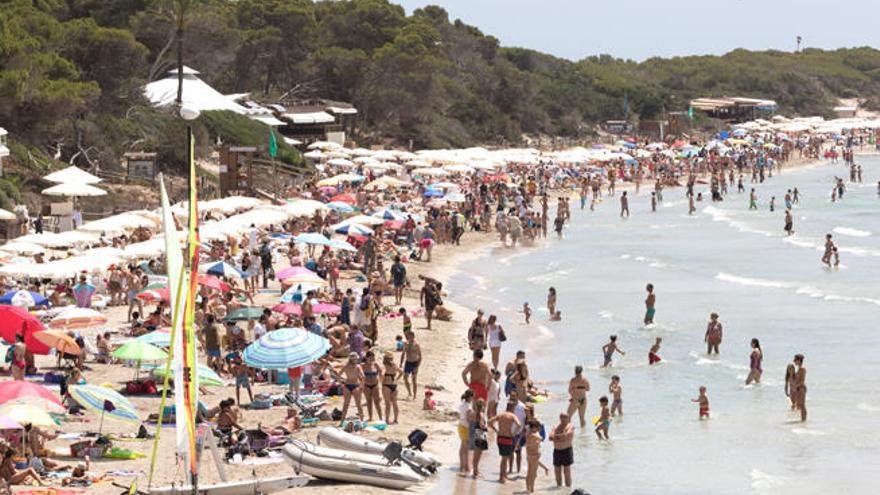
x=763, y=284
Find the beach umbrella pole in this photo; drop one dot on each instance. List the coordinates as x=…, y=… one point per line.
x=101, y=424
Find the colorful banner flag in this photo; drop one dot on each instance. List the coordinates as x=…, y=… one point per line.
x=273, y=144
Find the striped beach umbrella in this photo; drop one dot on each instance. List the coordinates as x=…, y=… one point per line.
x=285, y=348
x=24, y=299
x=223, y=269
x=106, y=402
x=78, y=318
x=207, y=376
x=340, y=206
x=351, y=228
x=299, y=275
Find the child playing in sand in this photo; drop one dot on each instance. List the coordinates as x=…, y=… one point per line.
x=527, y=311
x=616, y=392
x=604, y=420
x=703, y=400
x=653, y=357
x=429, y=404
x=533, y=455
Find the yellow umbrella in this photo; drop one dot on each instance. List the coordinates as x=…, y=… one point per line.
x=26, y=413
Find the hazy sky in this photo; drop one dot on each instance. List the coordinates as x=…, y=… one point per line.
x=640, y=29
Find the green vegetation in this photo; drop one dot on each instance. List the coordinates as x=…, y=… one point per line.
x=72, y=71
x=238, y=130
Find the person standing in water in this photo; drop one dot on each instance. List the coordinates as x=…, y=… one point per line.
x=753, y=200
x=654, y=198
x=800, y=385
x=829, y=250
x=755, y=360
x=578, y=387
x=551, y=301
x=703, y=400
x=789, y=222
x=624, y=205
x=649, y=305
x=563, y=454
x=789, y=385
x=714, y=334
x=616, y=392
x=609, y=349
x=653, y=354
x=691, y=208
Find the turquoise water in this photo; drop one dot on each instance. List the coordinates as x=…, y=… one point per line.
x=739, y=264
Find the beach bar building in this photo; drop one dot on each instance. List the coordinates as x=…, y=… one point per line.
x=734, y=108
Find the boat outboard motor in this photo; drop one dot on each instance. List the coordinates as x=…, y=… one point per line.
x=416, y=439
x=394, y=454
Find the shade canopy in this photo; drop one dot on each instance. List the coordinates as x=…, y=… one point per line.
x=246, y=313
x=24, y=299
x=60, y=341
x=15, y=320
x=207, y=376
x=72, y=174
x=28, y=414
x=286, y=348
x=74, y=189
x=318, y=309
x=223, y=269
x=19, y=390
x=78, y=318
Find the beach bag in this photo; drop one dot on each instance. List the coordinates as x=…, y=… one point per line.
x=501, y=335
x=481, y=440
x=10, y=354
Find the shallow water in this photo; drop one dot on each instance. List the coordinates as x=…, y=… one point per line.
x=739, y=264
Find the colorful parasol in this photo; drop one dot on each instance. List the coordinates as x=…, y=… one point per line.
x=78, y=318
x=59, y=340
x=286, y=348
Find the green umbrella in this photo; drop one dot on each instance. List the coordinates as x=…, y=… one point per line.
x=156, y=285
x=246, y=313
x=207, y=376
x=135, y=350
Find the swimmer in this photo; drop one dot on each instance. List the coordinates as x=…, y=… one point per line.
x=609, y=349
x=551, y=301
x=624, y=205
x=616, y=392
x=829, y=250
x=649, y=304
x=653, y=357
x=800, y=385
x=789, y=223
x=654, y=199
x=703, y=400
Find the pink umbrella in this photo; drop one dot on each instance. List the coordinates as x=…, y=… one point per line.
x=293, y=271
x=328, y=190
x=7, y=423
x=16, y=390
x=318, y=309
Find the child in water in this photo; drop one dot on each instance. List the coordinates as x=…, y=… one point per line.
x=616, y=392
x=557, y=316
x=703, y=400
x=604, y=420
x=653, y=357
x=527, y=312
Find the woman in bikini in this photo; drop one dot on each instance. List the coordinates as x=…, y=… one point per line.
x=520, y=379
x=353, y=376
x=713, y=334
x=755, y=359
x=389, y=386
x=372, y=370
x=14, y=476
x=578, y=387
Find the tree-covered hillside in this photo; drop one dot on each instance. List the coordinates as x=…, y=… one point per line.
x=71, y=73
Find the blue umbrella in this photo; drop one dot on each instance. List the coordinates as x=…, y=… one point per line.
x=629, y=145
x=389, y=214
x=157, y=338
x=25, y=298
x=312, y=238
x=352, y=228
x=340, y=244
x=223, y=269
x=285, y=348
x=340, y=207
x=433, y=193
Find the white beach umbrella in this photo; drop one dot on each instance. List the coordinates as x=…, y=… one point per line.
x=361, y=152
x=324, y=145
x=340, y=162
x=314, y=155
x=418, y=163
x=363, y=160
x=366, y=220
x=74, y=189
x=435, y=172
x=25, y=248
x=458, y=168
x=72, y=174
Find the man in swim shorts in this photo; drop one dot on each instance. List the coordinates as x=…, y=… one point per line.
x=563, y=454
x=507, y=425
x=410, y=359
x=649, y=305
x=477, y=375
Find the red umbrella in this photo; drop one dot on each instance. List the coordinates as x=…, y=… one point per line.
x=393, y=224
x=15, y=320
x=213, y=282
x=12, y=390
x=318, y=309
x=155, y=295
x=495, y=178
x=345, y=198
